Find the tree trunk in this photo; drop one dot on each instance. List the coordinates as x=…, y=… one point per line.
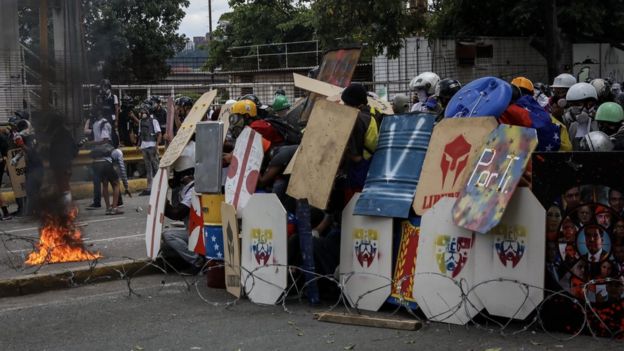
x=552, y=39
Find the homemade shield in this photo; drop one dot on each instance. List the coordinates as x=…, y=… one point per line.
x=454, y=145
x=231, y=249
x=493, y=177
x=244, y=170
x=196, y=227
x=509, y=264
x=584, y=238
x=17, y=173
x=264, y=251
x=487, y=96
x=405, y=265
x=320, y=152
x=155, y=213
x=445, y=268
x=213, y=238
x=365, y=258
x=396, y=165
x=184, y=134
x=208, y=156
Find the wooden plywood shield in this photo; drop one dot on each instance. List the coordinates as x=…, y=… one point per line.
x=224, y=116
x=493, y=178
x=264, y=253
x=514, y=251
x=320, y=152
x=17, y=173
x=198, y=111
x=231, y=249
x=244, y=170
x=453, y=147
x=156, y=212
x=196, y=227
x=365, y=258
x=445, y=262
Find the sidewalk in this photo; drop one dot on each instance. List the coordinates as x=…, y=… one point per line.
x=120, y=239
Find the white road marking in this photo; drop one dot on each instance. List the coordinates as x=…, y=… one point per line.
x=78, y=224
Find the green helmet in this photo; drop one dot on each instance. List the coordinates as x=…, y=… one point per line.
x=610, y=112
x=280, y=103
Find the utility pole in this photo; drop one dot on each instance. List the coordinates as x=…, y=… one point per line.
x=209, y=20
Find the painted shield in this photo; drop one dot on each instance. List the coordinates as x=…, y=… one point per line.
x=494, y=177
x=365, y=258
x=232, y=249
x=510, y=259
x=455, y=143
x=487, y=96
x=395, y=167
x=242, y=176
x=156, y=213
x=213, y=237
x=585, y=219
x=263, y=249
x=196, y=227
x=445, y=267
x=405, y=266
x=452, y=254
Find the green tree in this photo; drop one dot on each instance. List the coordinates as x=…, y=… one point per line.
x=128, y=41
x=551, y=24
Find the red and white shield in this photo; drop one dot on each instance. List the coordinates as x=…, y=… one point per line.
x=196, y=227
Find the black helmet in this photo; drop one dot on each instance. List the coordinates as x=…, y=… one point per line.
x=447, y=87
x=280, y=92
x=253, y=98
x=184, y=101
x=155, y=99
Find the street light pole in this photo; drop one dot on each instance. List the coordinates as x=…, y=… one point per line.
x=209, y=19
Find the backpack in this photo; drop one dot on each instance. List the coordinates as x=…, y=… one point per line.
x=291, y=134
x=101, y=151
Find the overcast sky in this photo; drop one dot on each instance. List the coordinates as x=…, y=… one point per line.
x=195, y=23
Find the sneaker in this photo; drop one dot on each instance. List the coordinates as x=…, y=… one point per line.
x=94, y=207
x=120, y=206
x=144, y=193
x=5, y=218
x=114, y=211
x=108, y=211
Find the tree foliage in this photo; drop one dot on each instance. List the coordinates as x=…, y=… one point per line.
x=130, y=40
x=549, y=23
x=378, y=25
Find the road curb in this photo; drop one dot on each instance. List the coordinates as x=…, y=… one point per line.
x=83, y=190
x=68, y=278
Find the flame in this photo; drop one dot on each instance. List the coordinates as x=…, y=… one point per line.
x=60, y=241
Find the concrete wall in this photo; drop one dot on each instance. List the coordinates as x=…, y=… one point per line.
x=598, y=61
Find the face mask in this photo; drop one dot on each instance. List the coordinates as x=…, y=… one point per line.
x=422, y=96
x=144, y=115
x=575, y=110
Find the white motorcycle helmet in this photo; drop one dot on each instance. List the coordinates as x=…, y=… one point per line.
x=564, y=80
x=581, y=91
x=426, y=81
x=596, y=141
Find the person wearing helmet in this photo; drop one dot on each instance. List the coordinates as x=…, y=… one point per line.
x=560, y=87
x=596, y=141
x=280, y=91
x=400, y=104
x=603, y=89
x=424, y=85
x=261, y=109
x=581, y=100
x=159, y=112
x=280, y=105
x=183, y=106
x=244, y=113
x=445, y=90
x=616, y=89
x=610, y=117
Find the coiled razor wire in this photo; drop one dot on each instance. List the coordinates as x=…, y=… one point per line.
x=295, y=291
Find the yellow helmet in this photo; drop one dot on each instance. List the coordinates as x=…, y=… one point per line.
x=522, y=82
x=244, y=107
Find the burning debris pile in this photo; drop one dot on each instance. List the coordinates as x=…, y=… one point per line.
x=60, y=240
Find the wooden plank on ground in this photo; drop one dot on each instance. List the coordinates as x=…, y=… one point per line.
x=320, y=152
x=367, y=321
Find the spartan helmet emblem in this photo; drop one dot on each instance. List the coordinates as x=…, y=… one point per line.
x=454, y=159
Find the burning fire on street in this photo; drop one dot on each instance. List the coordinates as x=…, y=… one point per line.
x=60, y=240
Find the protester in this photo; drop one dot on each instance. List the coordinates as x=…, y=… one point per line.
x=445, y=90
x=244, y=113
x=424, y=85
x=26, y=140
x=280, y=105
x=149, y=139
x=581, y=101
x=4, y=149
x=400, y=104
x=120, y=169
x=183, y=106
x=159, y=112
x=176, y=240
x=560, y=86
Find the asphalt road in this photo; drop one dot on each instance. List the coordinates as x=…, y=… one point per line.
x=168, y=315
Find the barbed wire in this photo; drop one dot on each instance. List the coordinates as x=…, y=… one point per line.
x=592, y=322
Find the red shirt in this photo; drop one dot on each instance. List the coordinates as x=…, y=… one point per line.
x=267, y=131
